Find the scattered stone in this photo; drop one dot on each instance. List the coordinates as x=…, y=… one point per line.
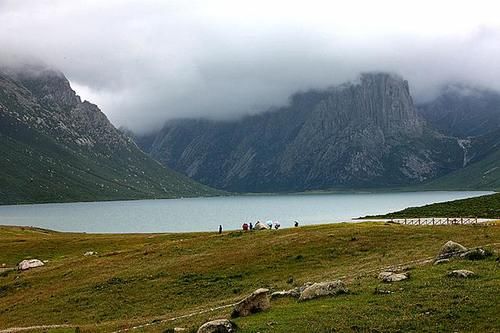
x=90, y=253
x=255, y=302
x=441, y=261
x=461, y=273
x=295, y=293
x=450, y=249
x=217, y=326
x=179, y=329
x=329, y=288
x=475, y=254
x=30, y=263
x=392, y=277
x=382, y=291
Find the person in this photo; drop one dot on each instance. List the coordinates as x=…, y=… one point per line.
x=245, y=226
x=296, y=224
x=220, y=229
x=251, y=226
x=277, y=225
x=270, y=224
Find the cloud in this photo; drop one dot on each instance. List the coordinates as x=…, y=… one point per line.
x=144, y=62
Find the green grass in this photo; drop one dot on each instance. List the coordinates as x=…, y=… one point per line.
x=487, y=206
x=138, y=278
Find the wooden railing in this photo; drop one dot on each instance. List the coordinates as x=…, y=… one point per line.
x=437, y=221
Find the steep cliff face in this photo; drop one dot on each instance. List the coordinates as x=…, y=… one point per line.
x=57, y=148
x=356, y=135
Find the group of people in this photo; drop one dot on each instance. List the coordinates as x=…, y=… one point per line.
x=261, y=225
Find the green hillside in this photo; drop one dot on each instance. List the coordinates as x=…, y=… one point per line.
x=58, y=149
x=487, y=206
x=483, y=174
x=147, y=279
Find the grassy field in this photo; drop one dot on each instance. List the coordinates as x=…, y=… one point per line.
x=145, y=278
x=487, y=206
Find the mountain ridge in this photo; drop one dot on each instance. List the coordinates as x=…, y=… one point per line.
x=359, y=135
x=58, y=148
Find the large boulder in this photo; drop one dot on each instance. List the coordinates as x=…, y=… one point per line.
x=255, y=302
x=450, y=249
x=329, y=288
x=461, y=273
x=30, y=263
x=475, y=254
x=392, y=276
x=217, y=326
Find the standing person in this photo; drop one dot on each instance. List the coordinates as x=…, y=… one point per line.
x=245, y=226
x=277, y=225
x=220, y=229
x=296, y=223
x=251, y=226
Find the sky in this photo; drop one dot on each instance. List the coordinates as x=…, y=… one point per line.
x=145, y=62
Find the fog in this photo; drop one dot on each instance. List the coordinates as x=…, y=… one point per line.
x=144, y=62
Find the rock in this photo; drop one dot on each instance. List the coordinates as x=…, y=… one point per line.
x=295, y=293
x=461, y=273
x=383, y=292
x=450, y=249
x=392, y=276
x=90, y=253
x=329, y=288
x=441, y=261
x=217, y=326
x=474, y=254
x=256, y=302
x=30, y=263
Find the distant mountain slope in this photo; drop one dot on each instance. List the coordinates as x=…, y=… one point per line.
x=483, y=174
x=473, y=116
x=355, y=135
x=463, y=111
x=56, y=148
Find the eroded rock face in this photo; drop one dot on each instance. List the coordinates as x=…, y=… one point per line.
x=30, y=263
x=363, y=134
x=461, y=273
x=393, y=276
x=255, y=302
x=217, y=326
x=320, y=289
x=451, y=249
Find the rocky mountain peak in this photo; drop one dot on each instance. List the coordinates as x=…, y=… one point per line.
x=50, y=87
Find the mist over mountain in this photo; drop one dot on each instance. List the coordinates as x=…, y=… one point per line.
x=148, y=62
x=56, y=148
x=363, y=135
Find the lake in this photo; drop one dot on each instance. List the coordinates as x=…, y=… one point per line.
x=205, y=214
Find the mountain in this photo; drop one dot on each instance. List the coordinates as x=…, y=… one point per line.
x=357, y=135
x=463, y=111
x=57, y=148
x=473, y=116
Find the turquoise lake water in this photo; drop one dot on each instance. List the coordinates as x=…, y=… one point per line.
x=205, y=214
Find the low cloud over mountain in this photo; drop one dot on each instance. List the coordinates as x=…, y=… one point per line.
x=150, y=61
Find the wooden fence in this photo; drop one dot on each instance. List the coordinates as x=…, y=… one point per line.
x=437, y=221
